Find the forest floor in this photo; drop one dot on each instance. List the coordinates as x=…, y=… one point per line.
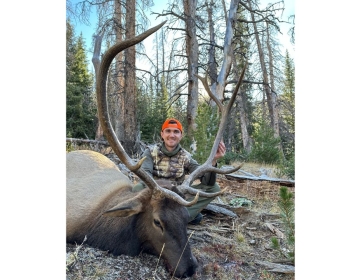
x=225, y=247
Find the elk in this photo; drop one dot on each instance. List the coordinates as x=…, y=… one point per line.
x=101, y=205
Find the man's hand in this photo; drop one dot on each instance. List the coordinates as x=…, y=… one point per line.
x=220, y=152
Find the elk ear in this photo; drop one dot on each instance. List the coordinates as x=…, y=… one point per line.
x=126, y=208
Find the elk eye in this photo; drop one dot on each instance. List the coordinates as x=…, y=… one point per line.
x=157, y=223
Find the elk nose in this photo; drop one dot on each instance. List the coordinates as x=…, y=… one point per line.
x=191, y=269
x=190, y=272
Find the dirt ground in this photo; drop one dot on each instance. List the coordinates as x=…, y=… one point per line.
x=225, y=247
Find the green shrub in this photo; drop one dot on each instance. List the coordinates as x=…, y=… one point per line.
x=231, y=157
x=69, y=147
x=240, y=201
x=287, y=212
x=207, y=127
x=287, y=168
x=266, y=146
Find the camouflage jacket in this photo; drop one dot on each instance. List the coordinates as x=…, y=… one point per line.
x=174, y=165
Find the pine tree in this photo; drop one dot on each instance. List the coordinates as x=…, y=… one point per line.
x=69, y=47
x=159, y=110
x=265, y=149
x=287, y=211
x=145, y=112
x=288, y=96
x=80, y=108
x=207, y=122
x=287, y=103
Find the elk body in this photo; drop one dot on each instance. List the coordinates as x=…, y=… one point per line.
x=101, y=205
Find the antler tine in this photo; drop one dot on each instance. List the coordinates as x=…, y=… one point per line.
x=232, y=99
x=107, y=127
x=101, y=95
x=208, y=90
x=224, y=109
x=207, y=166
x=159, y=191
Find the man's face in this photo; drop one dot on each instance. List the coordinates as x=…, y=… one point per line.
x=172, y=137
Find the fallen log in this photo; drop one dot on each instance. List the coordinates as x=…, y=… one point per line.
x=240, y=178
x=87, y=141
x=275, y=230
x=274, y=267
x=219, y=209
x=242, y=175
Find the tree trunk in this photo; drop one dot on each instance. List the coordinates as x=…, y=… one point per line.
x=130, y=128
x=119, y=77
x=263, y=70
x=247, y=140
x=220, y=85
x=273, y=95
x=212, y=61
x=192, y=51
x=241, y=97
x=99, y=135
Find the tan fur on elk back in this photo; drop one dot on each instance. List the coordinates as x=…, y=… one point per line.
x=94, y=179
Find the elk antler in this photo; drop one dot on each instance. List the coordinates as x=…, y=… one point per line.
x=107, y=127
x=118, y=148
x=207, y=165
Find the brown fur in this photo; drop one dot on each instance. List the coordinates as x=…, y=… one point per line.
x=101, y=205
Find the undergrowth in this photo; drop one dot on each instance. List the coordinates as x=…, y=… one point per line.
x=287, y=212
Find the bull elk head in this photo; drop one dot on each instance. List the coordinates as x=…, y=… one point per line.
x=136, y=166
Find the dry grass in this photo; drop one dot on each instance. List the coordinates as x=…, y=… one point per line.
x=100, y=148
x=257, y=168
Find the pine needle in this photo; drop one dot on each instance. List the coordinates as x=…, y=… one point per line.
x=182, y=253
x=157, y=264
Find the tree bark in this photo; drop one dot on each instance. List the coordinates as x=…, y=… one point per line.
x=271, y=98
x=212, y=60
x=247, y=141
x=241, y=97
x=99, y=135
x=274, y=100
x=219, y=87
x=240, y=102
x=192, y=51
x=119, y=77
x=263, y=69
x=130, y=128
